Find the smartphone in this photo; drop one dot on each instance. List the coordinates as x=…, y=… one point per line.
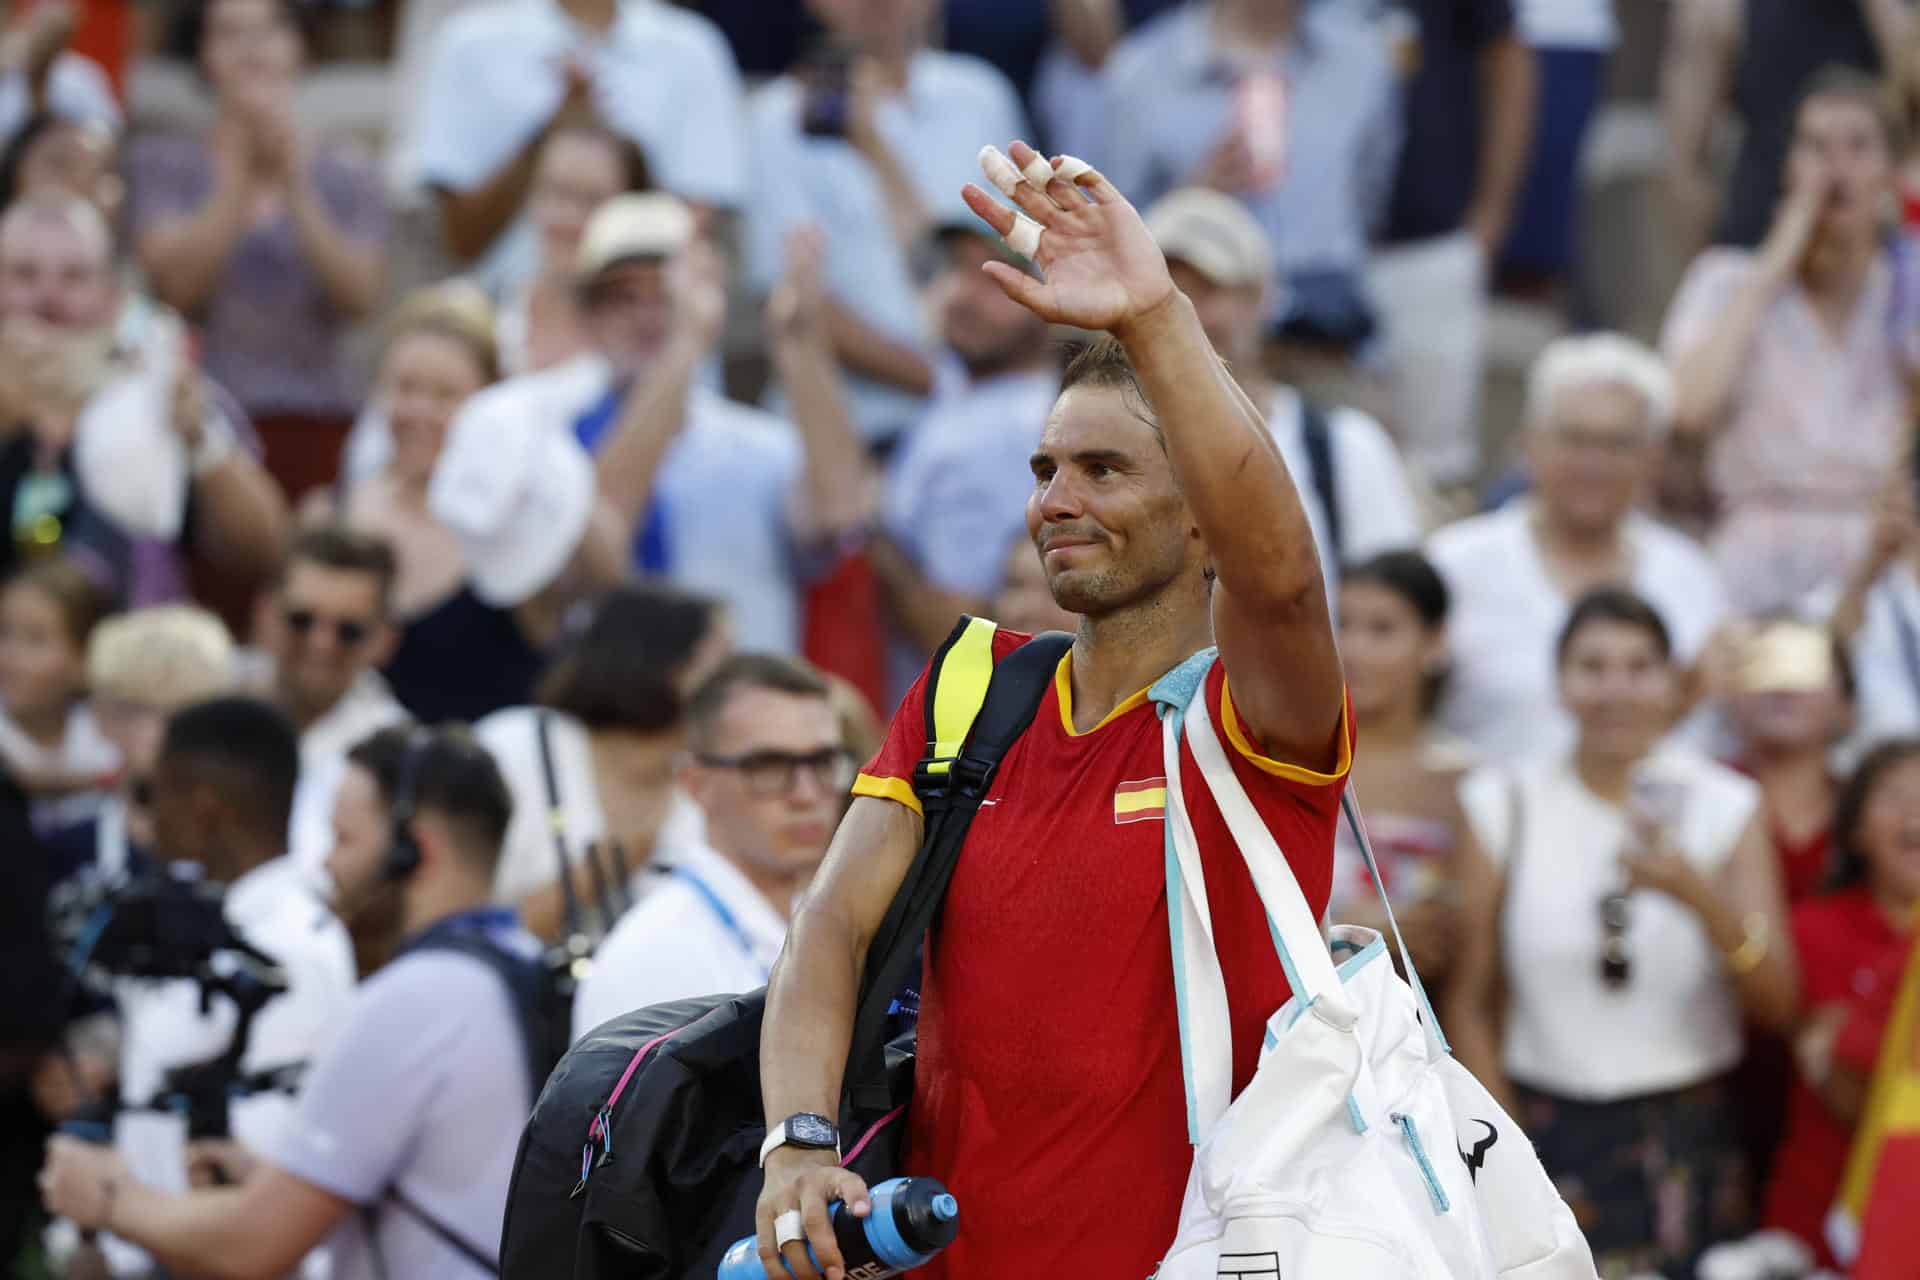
x=827, y=79
x=1654, y=799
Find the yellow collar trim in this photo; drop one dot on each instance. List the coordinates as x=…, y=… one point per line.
x=1063, y=685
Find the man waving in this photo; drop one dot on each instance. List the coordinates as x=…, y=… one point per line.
x=1048, y=1089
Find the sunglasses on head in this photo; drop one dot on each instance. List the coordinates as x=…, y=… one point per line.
x=1616, y=965
x=350, y=632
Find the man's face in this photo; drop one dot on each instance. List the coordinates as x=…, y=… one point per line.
x=360, y=835
x=52, y=272
x=988, y=330
x=329, y=629
x=629, y=313
x=773, y=803
x=1592, y=454
x=1233, y=318
x=1110, y=524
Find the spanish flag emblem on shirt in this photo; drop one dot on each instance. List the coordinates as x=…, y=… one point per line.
x=1140, y=801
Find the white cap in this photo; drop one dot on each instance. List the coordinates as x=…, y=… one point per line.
x=1214, y=234
x=517, y=490
x=131, y=465
x=650, y=224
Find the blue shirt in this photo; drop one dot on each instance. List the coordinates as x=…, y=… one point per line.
x=1169, y=94
x=954, y=105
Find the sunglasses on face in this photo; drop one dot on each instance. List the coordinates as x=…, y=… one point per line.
x=773, y=773
x=350, y=633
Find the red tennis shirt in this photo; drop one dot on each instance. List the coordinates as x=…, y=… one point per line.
x=1048, y=1091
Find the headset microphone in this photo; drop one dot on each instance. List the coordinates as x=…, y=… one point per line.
x=403, y=851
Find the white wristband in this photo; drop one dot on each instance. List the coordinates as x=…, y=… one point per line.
x=216, y=443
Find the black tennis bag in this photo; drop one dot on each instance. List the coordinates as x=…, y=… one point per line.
x=641, y=1158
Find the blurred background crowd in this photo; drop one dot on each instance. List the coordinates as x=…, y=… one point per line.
x=617, y=378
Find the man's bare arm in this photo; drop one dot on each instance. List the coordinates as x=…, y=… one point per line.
x=1270, y=614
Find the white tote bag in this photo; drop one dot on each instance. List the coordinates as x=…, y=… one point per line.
x=1360, y=1150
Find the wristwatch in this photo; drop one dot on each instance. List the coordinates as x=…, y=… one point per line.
x=807, y=1130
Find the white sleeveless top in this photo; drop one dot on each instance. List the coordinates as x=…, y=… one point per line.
x=1677, y=1020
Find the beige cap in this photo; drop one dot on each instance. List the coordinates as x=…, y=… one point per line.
x=649, y=224
x=1214, y=234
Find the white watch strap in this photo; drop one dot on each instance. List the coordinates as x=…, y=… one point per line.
x=777, y=1138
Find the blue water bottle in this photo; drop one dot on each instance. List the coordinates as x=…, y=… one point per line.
x=912, y=1219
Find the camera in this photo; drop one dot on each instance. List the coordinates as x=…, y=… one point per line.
x=173, y=925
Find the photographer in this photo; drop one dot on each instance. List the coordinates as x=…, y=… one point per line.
x=413, y=1114
x=222, y=789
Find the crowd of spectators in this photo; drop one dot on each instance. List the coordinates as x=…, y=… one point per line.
x=620, y=382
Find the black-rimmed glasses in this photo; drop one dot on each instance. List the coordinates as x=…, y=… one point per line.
x=773, y=773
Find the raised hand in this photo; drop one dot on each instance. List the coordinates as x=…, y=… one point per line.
x=1100, y=266
x=795, y=308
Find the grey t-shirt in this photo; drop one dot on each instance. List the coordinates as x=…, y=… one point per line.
x=425, y=1089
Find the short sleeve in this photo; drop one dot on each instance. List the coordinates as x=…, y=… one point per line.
x=1376, y=499
x=461, y=138
x=1240, y=738
x=889, y=775
x=1703, y=295
x=359, y=1106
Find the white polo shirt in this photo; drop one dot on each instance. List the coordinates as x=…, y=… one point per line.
x=275, y=908
x=662, y=76
x=728, y=485
x=1505, y=616
x=704, y=931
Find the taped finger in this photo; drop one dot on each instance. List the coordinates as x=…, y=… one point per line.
x=1024, y=238
x=1038, y=171
x=787, y=1228
x=1071, y=168
x=1000, y=171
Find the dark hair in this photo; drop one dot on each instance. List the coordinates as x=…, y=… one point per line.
x=1409, y=575
x=189, y=31
x=246, y=749
x=1848, y=866
x=635, y=173
x=346, y=550
x=1853, y=85
x=13, y=157
x=622, y=672
x=1412, y=577
x=82, y=602
x=1620, y=607
x=749, y=671
x=1104, y=363
x=453, y=775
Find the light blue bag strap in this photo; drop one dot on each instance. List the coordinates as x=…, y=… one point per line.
x=1350, y=805
x=1171, y=693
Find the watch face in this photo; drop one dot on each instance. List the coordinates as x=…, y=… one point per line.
x=811, y=1131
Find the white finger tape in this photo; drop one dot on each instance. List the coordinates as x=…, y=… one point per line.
x=1072, y=169
x=999, y=170
x=787, y=1228
x=1024, y=238
x=1038, y=171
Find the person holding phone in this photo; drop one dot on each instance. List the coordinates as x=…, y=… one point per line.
x=1639, y=917
x=1792, y=362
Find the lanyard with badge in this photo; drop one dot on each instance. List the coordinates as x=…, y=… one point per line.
x=727, y=919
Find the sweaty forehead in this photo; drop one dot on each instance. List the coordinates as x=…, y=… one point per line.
x=1098, y=418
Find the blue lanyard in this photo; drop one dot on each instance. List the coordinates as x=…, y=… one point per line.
x=726, y=918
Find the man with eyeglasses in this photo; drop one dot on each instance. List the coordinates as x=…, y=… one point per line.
x=327, y=634
x=769, y=770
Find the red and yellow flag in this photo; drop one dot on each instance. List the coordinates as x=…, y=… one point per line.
x=1874, y=1229
x=1140, y=801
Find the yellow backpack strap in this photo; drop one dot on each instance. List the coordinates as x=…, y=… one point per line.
x=957, y=681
